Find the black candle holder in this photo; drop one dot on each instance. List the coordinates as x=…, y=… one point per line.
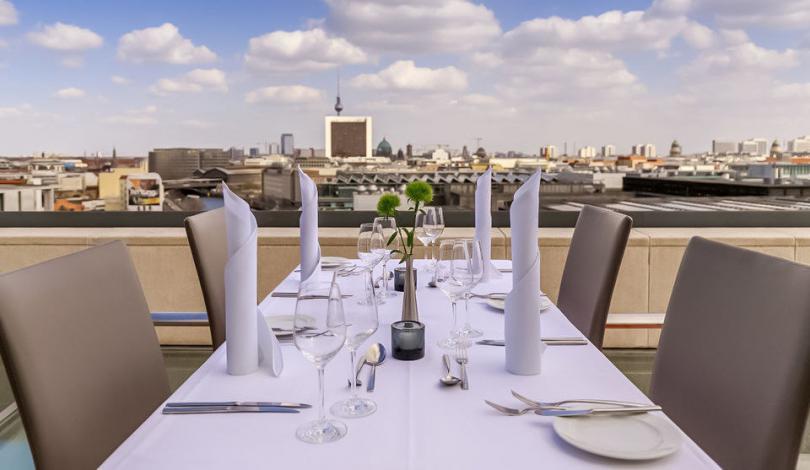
x=408, y=340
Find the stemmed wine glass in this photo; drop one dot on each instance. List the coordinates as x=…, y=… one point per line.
x=454, y=278
x=429, y=227
x=319, y=332
x=370, y=245
x=388, y=226
x=361, y=322
x=476, y=274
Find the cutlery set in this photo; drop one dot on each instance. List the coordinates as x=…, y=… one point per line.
x=210, y=407
x=558, y=341
x=605, y=407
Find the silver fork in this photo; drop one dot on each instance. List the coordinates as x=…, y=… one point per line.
x=461, y=359
x=556, y=404
x=513, y=411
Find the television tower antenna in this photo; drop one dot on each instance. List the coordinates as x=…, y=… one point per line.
x=338, y=104
x=478, y=141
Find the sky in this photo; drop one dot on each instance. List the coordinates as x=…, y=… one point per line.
x=90, y=75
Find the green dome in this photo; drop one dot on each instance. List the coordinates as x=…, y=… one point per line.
x=384, y=148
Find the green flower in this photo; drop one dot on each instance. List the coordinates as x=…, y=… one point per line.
x=387, y=205
x=419, y=191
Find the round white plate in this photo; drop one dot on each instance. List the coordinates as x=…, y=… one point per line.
x=328, y=262
x=500, y=304
x=627, y=437
x=284, y=324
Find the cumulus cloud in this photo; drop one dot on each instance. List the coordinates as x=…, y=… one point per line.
x=65, y=38
x=196, y=81
x=289, y=94
x=70, y=93
x=773, y=13
x=119, y=80
x=162, y=43
x=413, y=26
x=741, y=58
x=311, y=50
x=138, y=117
x=8, y=14
x=404, y=75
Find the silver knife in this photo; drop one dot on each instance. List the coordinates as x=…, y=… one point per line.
x=294, y=295
x=191, y=410
x=278, y=404
x=572, y=341
x=595, y=411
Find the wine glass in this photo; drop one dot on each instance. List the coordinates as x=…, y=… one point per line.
x=388, y=226
x=453, y=278
x=319, y=332
x=361, y=322
x=476, y=275
x=429, y=227
x=370, y=245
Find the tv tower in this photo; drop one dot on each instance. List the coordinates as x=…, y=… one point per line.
x=338, y=104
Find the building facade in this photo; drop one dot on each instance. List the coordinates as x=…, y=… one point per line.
x=347, y=136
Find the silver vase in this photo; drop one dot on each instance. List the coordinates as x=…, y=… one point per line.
x=410, y=310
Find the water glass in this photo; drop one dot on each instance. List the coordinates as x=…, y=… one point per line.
x=453, y=277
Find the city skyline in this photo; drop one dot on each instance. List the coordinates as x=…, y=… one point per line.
x=518, y=74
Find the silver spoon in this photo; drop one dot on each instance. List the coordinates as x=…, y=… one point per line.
x=448, y=379
x=374, y=357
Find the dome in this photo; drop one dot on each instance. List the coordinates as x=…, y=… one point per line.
x=384, y=148
x=480, y=153
x=675, y=149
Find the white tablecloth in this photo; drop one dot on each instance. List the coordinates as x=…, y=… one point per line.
x=419, y=424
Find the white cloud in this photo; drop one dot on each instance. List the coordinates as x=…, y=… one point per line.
x=310, y=50
x=741, y=58
x=8, y=14
x=610, y=30
x=196, y=81
x=65, y=38
x=404, y=75
x=162, y=43
x=698, y=36
x=774, y=13
x=413, y=26
x=10, y=111
x=3, y=43
x=290, y=94
x=119, y=80
x=792, y=91
x=70, y=93
x=138, y=117
x=477, y=99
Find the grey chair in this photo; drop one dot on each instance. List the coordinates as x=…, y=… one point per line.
x=209, y=247
x=733, y=362
x=81, y=353
x=591, y=269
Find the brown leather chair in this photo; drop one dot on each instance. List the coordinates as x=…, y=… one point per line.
x=209, y=247
x=733, y=362
x=591, y=269
x=81, y=353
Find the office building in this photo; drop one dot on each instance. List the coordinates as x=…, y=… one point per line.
x=754, y=147
x=347, y=136
x=609, y=150
x=287, y=145
x=724, y=147
x=274, y=149
x=586, y=152
x=254, y=152
x=645, y=150
x=178, y=163
x=549, y=152
x=799, y=145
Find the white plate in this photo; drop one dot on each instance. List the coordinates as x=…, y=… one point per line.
x=500, y=304
x=285, y=323
x=627, y=437
x=328, y=262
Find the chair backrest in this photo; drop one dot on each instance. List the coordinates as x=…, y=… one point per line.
x=81, y=354
x=733, y=362
x=591, y=269
x=209, y=247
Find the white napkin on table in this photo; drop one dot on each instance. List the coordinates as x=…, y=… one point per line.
x=483, y=223
x=524, y=348
x=248, y=339
x=310, y=249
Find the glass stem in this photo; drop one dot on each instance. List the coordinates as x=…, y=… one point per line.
x=455, y=320
x=321, y=410
x=353, y=353
x=467, y=312
x=385, y=275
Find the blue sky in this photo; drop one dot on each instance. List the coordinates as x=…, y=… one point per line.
x=84, y=76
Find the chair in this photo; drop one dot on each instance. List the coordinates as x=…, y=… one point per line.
x=81, y=353
x=591, y=269
x=209, y=247
x=733, y=362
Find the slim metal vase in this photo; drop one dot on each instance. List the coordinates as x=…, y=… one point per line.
x=410, y=310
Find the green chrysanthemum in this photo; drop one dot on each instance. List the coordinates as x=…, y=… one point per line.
x=419, y=191
x=387, y=205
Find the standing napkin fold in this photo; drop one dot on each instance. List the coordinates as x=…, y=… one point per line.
x=249, y=341
x=241, y=333
x=483, y=223
x=310, y=249
x=524, y=348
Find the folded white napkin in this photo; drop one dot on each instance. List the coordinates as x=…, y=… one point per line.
x=245, y=337
x=310, y=249
x=483, y=223
x=522, y=313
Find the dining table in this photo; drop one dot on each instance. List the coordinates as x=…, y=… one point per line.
x=419, y=423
